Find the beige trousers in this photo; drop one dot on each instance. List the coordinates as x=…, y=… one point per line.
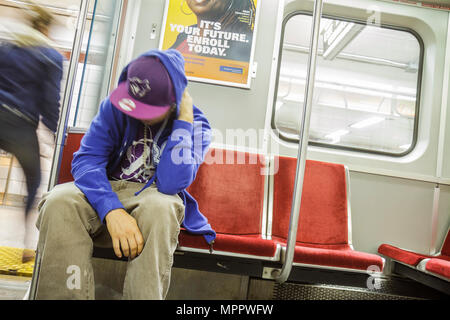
x=69, y=227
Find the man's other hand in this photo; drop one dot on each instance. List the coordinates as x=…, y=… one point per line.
x=125, y=233
x=186, y=108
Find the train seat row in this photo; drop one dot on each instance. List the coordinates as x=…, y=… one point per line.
x=250, y=211
x=435, y=265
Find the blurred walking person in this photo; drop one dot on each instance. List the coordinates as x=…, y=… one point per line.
x=30, y=80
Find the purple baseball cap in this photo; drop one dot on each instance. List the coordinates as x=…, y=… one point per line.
x=148, y=91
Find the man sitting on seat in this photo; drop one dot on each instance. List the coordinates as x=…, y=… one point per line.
x=141, y=152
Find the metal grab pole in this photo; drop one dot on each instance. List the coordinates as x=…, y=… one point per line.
x=60, y=134
x=68, y=92
x=303, y=145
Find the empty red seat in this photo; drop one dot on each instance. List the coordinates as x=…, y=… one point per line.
x=413, y=258
x=71, y=146
x=230, y=193
x=409, y=257
x=323, y=232
x=440, y=267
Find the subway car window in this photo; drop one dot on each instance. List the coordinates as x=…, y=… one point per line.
x=95, y=64
x=367, y=85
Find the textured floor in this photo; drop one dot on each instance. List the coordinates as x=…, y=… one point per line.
x=16, y=233
x=11, y=263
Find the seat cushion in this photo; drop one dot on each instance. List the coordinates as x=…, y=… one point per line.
x=402, y=255
x=250, y=245
x=439, y=266
x=342, y=256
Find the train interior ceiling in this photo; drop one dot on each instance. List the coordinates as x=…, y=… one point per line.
x=380, y=108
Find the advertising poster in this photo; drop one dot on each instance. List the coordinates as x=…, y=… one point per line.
x=216, y=38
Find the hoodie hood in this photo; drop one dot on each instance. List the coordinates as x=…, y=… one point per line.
x=174, y=63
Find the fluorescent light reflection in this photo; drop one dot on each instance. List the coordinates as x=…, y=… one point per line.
x=367, y=122
x=405, y=146
x=335, y=136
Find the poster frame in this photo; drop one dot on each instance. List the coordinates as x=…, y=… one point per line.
x=246, y=85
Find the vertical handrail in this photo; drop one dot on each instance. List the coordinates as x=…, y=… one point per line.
x=86, y=57
x=120, y=13
x=61, y=132
x=68, y=92
x=303, y=145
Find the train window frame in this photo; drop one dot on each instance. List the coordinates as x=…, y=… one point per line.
x=295, y=141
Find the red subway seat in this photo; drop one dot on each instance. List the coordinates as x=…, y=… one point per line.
x=71, y=146
x=323, y=228
x=405, y=256
x=230, y=193
x=438, y=265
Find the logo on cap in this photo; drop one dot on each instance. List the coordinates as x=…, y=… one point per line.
x=127, y=105
x=139, y=87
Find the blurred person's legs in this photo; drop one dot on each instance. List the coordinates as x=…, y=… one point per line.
x=18, y=137
x=69, y=227
x=46, y=141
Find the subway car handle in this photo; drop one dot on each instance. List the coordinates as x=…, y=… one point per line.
x=303, y=145
x=69, y=91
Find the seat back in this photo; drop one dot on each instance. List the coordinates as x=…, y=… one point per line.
x=71, y=146
x=230, y=191
x=323, y=214
x=446, y=246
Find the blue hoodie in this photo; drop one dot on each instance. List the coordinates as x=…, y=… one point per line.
x=30, y=77
x=112, y=132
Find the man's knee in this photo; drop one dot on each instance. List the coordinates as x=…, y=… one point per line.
x=59, y=203
x=160, y=210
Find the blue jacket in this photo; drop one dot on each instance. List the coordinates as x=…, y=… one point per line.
x=112, y=132
x=30, y=79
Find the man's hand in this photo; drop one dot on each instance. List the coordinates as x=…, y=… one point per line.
x=186, y=108
x=125, y=233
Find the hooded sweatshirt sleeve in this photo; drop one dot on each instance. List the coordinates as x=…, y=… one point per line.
x=90, y=161
x=184, y=153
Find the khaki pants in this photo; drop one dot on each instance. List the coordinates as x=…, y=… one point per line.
x=69, y=227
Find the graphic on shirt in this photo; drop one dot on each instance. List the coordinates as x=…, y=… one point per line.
x=132, y=166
